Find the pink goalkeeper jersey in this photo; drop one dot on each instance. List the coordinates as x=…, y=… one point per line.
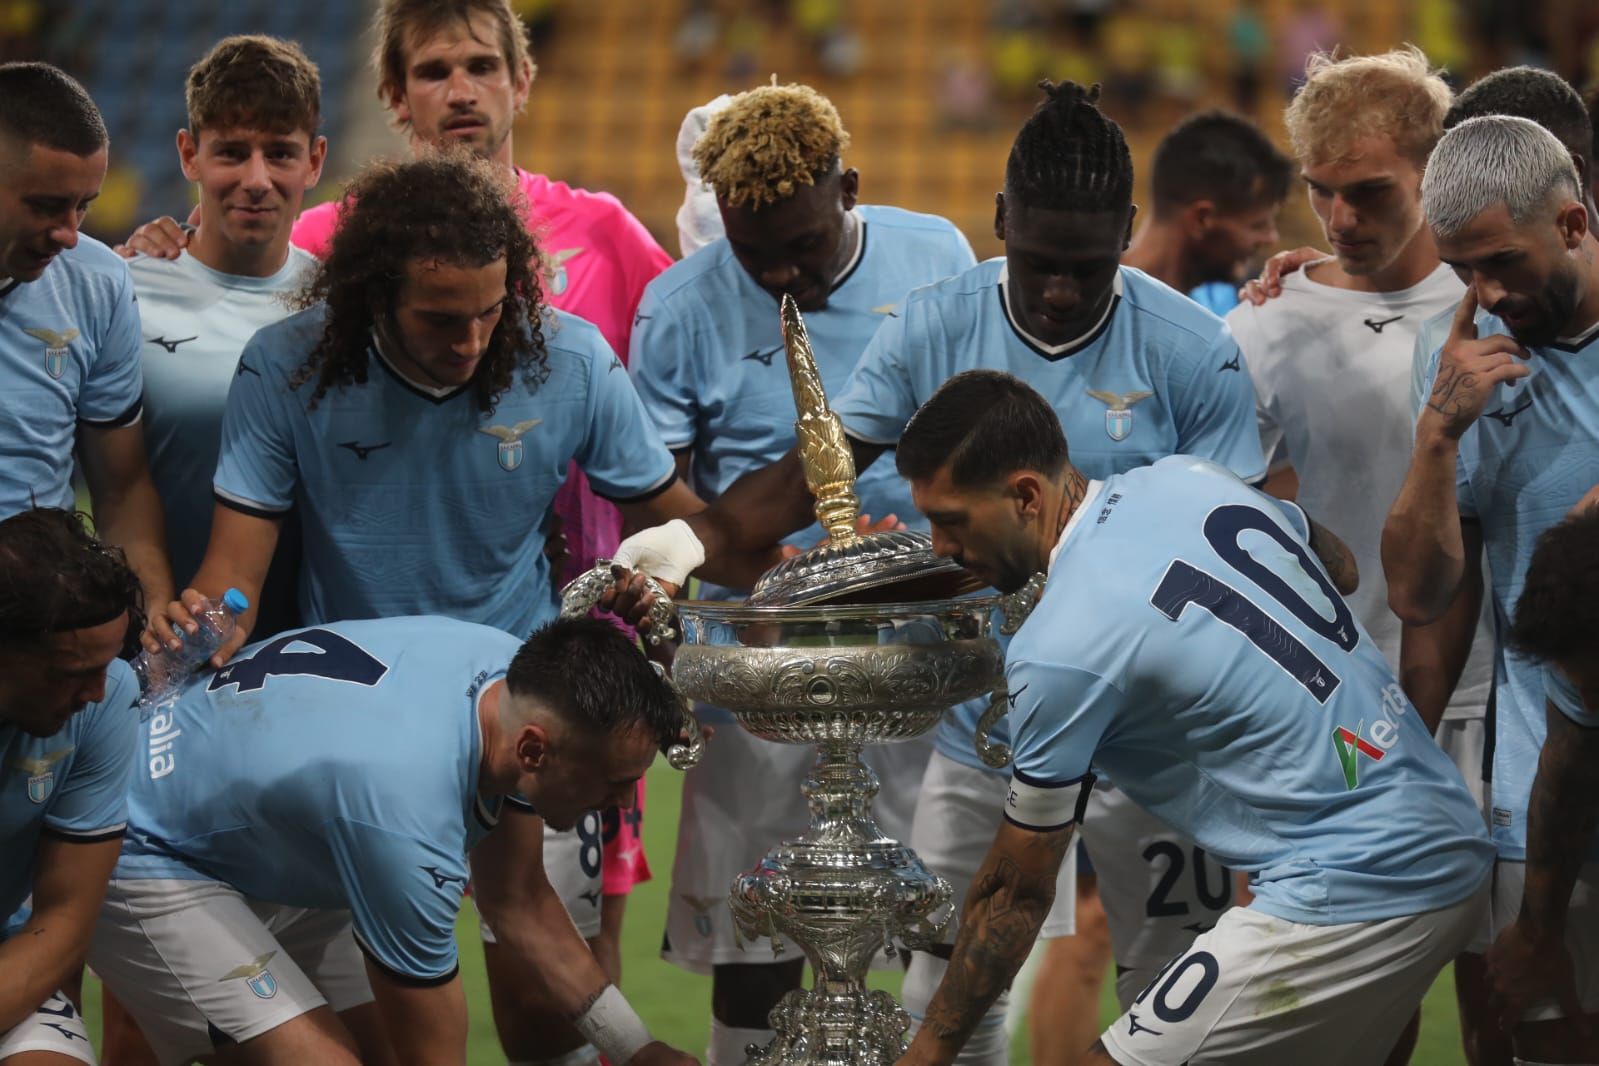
x=598, y=258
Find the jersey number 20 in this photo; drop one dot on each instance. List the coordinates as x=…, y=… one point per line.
x=1185, y=584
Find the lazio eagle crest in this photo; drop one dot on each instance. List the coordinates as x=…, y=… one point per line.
x=41, y=773
x=510, y=453
x=1118, y=410
x=55, y=348
x=555, y=269
x=256, y=976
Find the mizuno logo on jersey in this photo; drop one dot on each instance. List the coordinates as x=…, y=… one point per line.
x=255, y=975
x=1376, y=327
x=362, y=450
x=1134, y=1026
x=510, y=452
x=442, y=879
x=763, y=358
x=1350, y=746
x=41, y=773
x=592, y=896
x=1235, y=364
x=55, y=348
x=1118, y=410
x=172, y=345
x=1504, y=417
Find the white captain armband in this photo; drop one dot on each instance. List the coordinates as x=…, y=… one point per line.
x=613, y=1027
x=1045, y=806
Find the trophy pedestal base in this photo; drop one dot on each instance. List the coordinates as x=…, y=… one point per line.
x=848, y=1027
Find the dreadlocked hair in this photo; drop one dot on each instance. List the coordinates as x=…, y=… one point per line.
x=1069, y=155
x=768, y=142
x=449, y=208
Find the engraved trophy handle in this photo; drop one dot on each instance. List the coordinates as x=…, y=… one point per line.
x=579, y=597
x=992, y=754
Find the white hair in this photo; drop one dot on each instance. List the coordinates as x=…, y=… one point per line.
x=1495, y=159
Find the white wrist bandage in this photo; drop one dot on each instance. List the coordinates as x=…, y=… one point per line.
x=613, y=1027
x=667, y=553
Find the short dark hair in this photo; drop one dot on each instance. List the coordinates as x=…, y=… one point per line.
x=1539, y=96
x=1557, y=614
x=1069, y=155
x=56, y=576
x=595, y=677
x=982, y=424
x=40, y=104
x=1221, y=157
x=254, y=81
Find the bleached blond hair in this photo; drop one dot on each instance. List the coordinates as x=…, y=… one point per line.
x=1343, y=101
x=1495, y=159
x=768, y=142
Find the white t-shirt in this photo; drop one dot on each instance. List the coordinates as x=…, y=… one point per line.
x=1332, y=373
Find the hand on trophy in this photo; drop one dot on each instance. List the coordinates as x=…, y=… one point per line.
x=631, y=598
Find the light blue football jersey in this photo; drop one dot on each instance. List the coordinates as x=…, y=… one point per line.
x=195, y=323
x=418, y=503
x=1158, y=376
x=73, y=784
x=1521, y=466
x=69, y=356
x=1217, y=297
x=1189, y=644
x=331, y=767
x=707, y=354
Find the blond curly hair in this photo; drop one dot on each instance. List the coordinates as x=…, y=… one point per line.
x=1343, y=101
x=768, y=142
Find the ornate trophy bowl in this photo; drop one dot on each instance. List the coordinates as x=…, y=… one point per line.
x=857, y=641
x=838, y=677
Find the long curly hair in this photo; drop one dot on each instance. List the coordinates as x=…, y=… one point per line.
x=57, y=576
x=450, y=208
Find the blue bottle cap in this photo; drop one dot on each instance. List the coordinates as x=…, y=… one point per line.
x=236, y=601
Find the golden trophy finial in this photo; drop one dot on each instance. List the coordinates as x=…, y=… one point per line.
x=829, y=463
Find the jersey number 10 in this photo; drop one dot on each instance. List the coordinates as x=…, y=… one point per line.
x=1185, y=584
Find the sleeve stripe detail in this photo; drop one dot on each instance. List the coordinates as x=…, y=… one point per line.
x=249, y=507
x=1046, y=806
x=90, y=836
x=406, y=978
x=126, y=418
x=648, y=494
x=864, y=439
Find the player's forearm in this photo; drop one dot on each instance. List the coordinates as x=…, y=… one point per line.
x=540, y=932
x=1423, y=553
x=1000, y=920
x=1562, y=814
x=130, y=517
x=757, y=511
x=37, y=961
x=1432, y=657
x=426, y=1024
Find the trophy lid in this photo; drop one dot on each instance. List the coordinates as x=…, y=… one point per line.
x=848, y=567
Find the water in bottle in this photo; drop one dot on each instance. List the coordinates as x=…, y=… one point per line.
x=161, y=676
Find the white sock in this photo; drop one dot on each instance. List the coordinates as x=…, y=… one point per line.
x=989, y=1044
x=587, y=1055
x=729, y=1041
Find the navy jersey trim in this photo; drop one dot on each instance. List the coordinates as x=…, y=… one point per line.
x=399, y=379
x=514, y=802
x=126, y=418
x=854, y=265
x=1064, y=353
x=861, y=438
x=406, y=978
x=97, y=836
x=1042, y=828
x=254, y=510
x=9, y=287
x=642, y=497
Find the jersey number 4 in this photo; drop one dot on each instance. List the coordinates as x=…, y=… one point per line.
x=334, y=658
x=1185, y=584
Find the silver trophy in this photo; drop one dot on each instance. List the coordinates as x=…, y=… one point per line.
x=859, y=640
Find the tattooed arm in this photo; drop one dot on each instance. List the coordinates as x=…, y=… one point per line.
x=1000, y=919
x=1424, y=553
x=1528, y=961
x=1335, y=556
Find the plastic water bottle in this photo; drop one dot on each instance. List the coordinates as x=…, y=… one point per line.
x=161, y=676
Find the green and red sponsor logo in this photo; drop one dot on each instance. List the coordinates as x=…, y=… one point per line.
x=1351, y=747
